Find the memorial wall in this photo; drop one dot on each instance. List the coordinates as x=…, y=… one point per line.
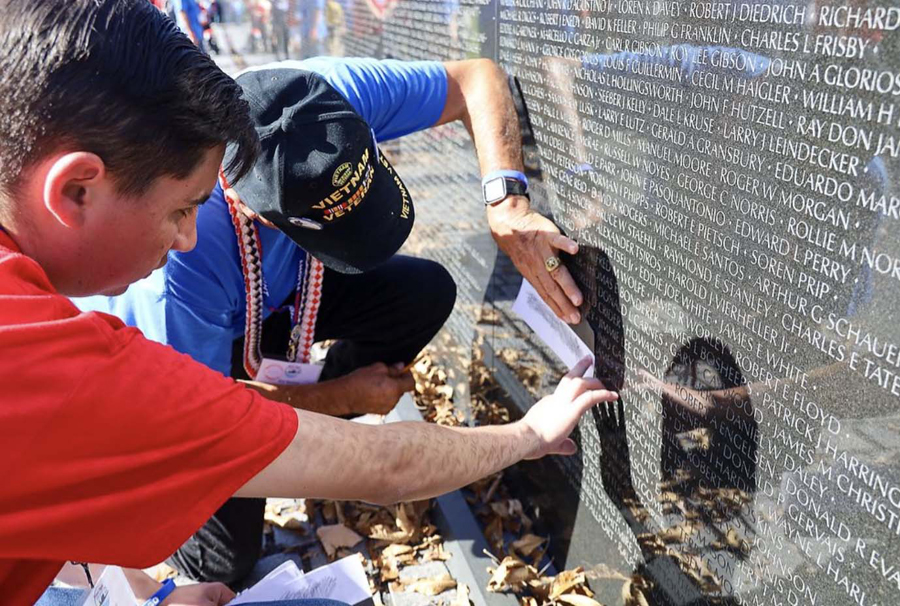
x=730, y=171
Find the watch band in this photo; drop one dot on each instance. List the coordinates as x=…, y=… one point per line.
x=498, y=185
x=515, y=187
x=511, y=174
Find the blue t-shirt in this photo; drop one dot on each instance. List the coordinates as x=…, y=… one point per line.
x=196, y=303
x=191, y=9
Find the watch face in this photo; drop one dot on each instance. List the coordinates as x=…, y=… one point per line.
x=494, y=190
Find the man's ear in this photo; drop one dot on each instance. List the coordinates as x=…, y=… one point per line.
x=72, y=184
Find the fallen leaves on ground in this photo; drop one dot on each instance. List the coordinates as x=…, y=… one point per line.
x=528, y=544
x=512, y=573
x=433, y=395
x=428, y=586
x=335, y=536
x=287, y=513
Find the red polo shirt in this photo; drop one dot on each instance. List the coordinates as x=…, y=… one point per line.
x=115, y=449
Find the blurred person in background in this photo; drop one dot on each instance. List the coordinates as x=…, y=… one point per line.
x=188, y=18
x=259, y=40
x=281, y=33
x=311, y=14
x=336, y=23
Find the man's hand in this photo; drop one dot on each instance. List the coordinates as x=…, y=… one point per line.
x=201, y=594
x=372, y=389
x=529, y=239
x=375, y=389
x=553, y=418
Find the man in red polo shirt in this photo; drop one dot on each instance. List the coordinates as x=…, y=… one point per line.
x=116, y=449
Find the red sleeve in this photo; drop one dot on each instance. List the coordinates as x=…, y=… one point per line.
x=118, y=448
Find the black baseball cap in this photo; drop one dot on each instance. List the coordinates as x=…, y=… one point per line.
x=320, y=177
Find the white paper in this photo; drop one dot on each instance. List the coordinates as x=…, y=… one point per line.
x=272, y=586
x=344, y=580
x=111, y=589
x=279, y=372
x=557, y=335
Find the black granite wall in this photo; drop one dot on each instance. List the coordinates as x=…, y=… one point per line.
x=730, y=170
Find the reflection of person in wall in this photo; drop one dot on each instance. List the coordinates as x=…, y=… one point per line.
x=708, y=456
x=708, y=462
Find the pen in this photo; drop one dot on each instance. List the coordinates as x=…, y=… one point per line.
x=162, y=593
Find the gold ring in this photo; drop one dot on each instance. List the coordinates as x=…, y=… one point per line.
x=551, y=264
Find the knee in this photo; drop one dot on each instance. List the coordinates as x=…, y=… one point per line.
x=439, y=292
x=237, y=568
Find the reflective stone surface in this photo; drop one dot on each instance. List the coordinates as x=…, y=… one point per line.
x=730, y=172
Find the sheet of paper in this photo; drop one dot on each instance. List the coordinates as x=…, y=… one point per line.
x=279, y=372
x=344, y=580
x=557, y=335
x=272, y=586
x=111, y=589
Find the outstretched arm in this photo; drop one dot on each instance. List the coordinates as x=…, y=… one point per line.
x=334, y=459
x=478, y=95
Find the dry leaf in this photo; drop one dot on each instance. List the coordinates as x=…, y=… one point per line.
x=445, y=391
x=511, y=573
x=573, y=599
x=527, y=544
x=396, y=549
x=431, y=586
x=287, y=513
x=328, y=511
x=733, y=539
x=493, y=532
x=335, y=536
x=406, y=518
x=566, y=581
x=389, y=570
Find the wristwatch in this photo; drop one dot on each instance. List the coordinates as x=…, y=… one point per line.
x=499, y=184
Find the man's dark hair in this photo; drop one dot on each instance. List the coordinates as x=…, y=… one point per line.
x=118, y=79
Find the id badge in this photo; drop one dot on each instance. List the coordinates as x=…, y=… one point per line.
x=111, y=589
x=279, y=372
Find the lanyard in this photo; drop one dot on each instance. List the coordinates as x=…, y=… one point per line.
x=306, y=302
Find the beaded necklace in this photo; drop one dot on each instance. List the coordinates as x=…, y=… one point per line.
x=306, y=302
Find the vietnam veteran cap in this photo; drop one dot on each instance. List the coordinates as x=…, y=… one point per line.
x=320, y=177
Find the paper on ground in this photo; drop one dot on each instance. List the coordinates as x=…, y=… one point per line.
x=554, y=332
x=344, y=580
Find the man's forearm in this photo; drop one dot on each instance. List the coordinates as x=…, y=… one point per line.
x=333, y=459
x=479, y=96
x=329, y=397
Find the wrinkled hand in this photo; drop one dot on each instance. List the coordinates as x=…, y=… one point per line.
x=529, y=238
x=375, y=389
x=553, y=418
x=201, y=594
